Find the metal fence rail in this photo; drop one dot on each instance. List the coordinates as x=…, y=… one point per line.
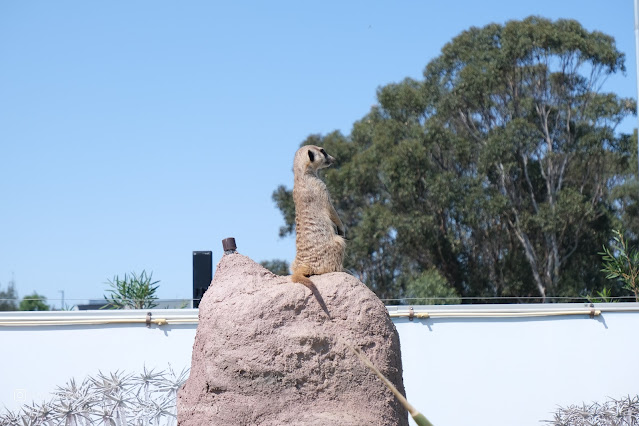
x=162, y=317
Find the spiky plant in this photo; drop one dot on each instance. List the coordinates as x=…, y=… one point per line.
x=111, y=399
x=621, y=412
x=42, y=415
x=11, y=418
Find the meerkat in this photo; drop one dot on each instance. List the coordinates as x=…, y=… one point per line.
x=319, y=239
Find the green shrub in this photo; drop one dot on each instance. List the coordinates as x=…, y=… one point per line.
x=622, y=263
x=132, y=292
x=430, y=288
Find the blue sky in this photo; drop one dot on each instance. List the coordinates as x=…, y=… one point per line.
x=134, y=132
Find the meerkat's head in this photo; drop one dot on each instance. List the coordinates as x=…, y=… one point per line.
x=310, y=159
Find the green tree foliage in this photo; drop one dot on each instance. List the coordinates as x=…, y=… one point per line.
x=34, y=302
x=498, y=168
x=626, y=196
x=276, y=266
x=430, y=288
x=621, y=262
x=132, y=292
x=8, y=298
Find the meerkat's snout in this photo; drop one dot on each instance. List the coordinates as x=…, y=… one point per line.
x=329, y=161
x=328, y=158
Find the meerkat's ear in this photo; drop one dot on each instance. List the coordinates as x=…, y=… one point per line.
x=311, y=156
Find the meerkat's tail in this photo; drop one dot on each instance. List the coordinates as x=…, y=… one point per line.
x=300, y=277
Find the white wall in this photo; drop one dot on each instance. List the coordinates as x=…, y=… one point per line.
x=457, y=371
x=516, y=371
x=34, y=360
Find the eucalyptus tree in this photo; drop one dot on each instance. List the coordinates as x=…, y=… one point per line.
x=526, y=99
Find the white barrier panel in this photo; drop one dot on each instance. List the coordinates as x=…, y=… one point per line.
x=35, y=359
x=482, y=365
x=505, y=371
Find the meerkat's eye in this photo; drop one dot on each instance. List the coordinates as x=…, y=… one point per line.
x=311, y=156
x=324, y=152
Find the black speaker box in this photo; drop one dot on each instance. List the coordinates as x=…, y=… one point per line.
x=202, y=274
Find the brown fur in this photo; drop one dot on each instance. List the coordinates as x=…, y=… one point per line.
x=319, y=231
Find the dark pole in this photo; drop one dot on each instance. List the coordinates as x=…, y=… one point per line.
x=202, y=274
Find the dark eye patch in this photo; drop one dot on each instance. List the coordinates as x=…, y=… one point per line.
x=324, y=152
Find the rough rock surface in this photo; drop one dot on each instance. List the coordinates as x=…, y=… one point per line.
x=267, y=353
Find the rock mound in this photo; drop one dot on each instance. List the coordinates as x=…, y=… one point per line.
x=267, y=353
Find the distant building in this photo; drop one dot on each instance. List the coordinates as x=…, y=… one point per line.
x=97, y=304
x=92, y=305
